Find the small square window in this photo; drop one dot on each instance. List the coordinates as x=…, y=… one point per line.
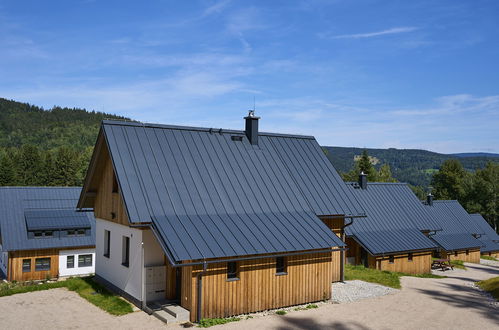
x=81, y=232
x=70, y=262
x=391, y=259
x=71, y=233
x=85, y=260
x=467, y=252
x=232, y=271
x=410, y=257
x=26, y=265
x=38, y=234
x=42, y=264
x=455, y=253
x=280, y=266
x=48, y=234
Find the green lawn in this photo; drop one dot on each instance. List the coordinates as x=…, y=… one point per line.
x=458, y=264
x=85, y=287
x=489, y=258
x=386, y=278
x=491, y=285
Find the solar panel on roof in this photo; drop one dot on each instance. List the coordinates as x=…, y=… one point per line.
x=55, y=219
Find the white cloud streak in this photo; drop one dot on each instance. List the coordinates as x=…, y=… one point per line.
x=395, y=30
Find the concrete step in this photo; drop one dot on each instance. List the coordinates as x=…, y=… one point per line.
x=180, y=313
x=165, y=317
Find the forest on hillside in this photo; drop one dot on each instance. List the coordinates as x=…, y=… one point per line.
x=46, y=147
x=415, y=167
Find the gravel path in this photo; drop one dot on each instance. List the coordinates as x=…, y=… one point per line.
x=358, y=290
x=489, y=262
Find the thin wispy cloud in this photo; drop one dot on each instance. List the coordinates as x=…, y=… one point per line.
x=216, y=8
x=395, y=30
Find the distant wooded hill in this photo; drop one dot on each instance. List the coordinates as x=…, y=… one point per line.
x=59, y=132
x=22, y=123
x=408, y=165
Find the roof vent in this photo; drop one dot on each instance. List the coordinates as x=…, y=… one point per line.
x=251, y=128
x=429, y=199
x=362, y=180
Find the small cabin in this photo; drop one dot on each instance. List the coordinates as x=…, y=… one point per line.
x=393, y=235
x=220, y=222
x=42, y=236
x=458, y=237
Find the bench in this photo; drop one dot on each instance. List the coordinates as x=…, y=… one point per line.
x=444, y=264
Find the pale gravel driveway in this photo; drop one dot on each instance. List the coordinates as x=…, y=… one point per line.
x=450, y=303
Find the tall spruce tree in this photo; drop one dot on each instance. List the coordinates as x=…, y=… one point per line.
x=448, y=181
x=7, y=171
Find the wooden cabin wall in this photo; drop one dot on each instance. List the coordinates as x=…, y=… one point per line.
x=491, y=254
x=335, y=224
x=420, y=264
x=353, y=250
x=108, y=202
x=15, y=266
x=258, y=287
x=473, y=256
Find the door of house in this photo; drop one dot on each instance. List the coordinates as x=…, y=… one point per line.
x=364, y=257
x=155, y=283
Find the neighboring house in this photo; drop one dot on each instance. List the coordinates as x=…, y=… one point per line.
x=223, y=222
x=42, y=235
x=458, y=237
x=393, y=237
x=490, y=239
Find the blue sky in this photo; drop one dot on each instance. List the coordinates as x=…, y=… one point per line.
x=403, y=74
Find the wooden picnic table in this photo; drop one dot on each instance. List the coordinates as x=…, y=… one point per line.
x=442, y=263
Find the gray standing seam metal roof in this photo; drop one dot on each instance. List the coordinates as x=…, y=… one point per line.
x=457, y=226
x=395, y=219
x=490, y=238
x=211, y=196
x=16, y=202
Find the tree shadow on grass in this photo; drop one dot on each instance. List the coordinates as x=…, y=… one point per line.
x=464, y=297
x=309, y=323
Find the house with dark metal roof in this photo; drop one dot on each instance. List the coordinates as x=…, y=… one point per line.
x=42, y=235
x=222, y=222
x=458, y=237
x=489, y=238
x=394, y=236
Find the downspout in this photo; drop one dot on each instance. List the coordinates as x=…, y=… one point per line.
x=200, y=291
x=342, y=252
x=143, y=296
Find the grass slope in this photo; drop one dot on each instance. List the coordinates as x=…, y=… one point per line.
x=383, y=277
x=491, y=285
x=85, y=287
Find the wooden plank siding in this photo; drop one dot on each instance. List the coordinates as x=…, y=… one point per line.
x=472, y=256
x=108, y=202
x=15, y=264
x=420, y=264
x=308, y=279
x=335, y=224
x=353, y=251
x=491, y=254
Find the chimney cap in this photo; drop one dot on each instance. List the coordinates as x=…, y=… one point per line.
x=251, y=115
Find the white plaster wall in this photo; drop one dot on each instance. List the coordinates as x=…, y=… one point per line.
x=64, y=271
x=128, y=279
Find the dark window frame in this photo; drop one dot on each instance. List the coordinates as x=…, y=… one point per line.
x=107, y=243
x=44, y=265
x=391, y=259
x=281, y=266
x=28, y=270
x=125, y=251
x=410, y=257
x=72, y=263
x=232, y=271
x=456, y=254
x=83, y=260
x=467, y=252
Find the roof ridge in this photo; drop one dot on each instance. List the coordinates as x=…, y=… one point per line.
x=200, y=129
x=37, y=187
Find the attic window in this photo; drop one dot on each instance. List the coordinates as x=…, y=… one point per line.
x=236, y=138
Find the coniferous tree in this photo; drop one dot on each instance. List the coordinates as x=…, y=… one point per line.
x=448, y=181
x=65, y=167
x=7, y=171
x=29, y=165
